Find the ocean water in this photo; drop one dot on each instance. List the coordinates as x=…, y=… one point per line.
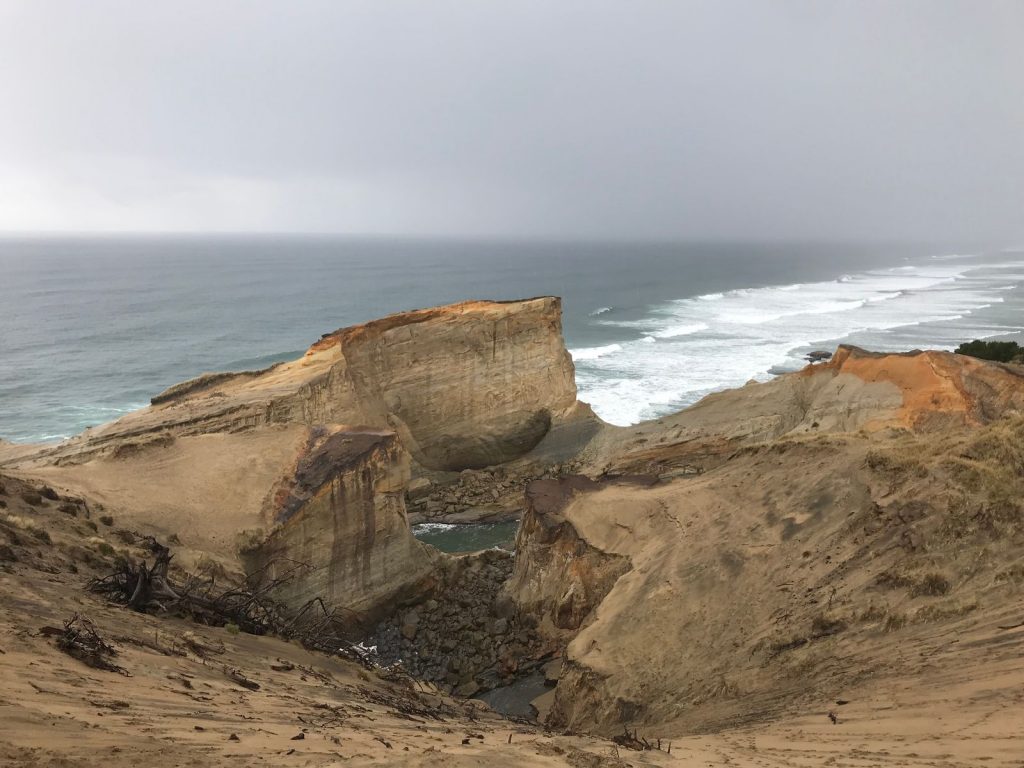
x=93, y=327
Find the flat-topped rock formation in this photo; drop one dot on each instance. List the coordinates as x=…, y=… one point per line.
x=227, y=460
x=465, y=386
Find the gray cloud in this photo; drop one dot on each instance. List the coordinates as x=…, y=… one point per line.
x=626, y=119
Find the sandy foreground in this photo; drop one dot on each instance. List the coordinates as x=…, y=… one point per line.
x=176, y=706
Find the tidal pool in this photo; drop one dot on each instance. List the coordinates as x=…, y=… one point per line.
x=468, y=537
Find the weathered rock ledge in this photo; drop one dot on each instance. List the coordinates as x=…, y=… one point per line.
x=468, y=385
x=340, y=531
x=559, y=578
x=304, y=466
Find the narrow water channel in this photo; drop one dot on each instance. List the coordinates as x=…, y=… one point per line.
x=468, y=537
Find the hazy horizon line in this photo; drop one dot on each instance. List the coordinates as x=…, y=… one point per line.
x=486, y=238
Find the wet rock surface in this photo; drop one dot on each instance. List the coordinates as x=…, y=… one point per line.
x=468, y=636
x=483, y=495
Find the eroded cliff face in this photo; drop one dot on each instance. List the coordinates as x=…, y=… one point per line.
x=465, y=386
x=340, y=531
x=856, y=390
x=796, y=529
x=804, y=534
x=559, y=578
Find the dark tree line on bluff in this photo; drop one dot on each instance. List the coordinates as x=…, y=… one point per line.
x=999, y=351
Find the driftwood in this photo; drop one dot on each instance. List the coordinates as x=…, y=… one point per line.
x=635, y=741
x=250, y=606
x=80, y=640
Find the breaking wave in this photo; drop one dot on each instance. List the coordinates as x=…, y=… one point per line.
x=686, y=348
x=593, y=353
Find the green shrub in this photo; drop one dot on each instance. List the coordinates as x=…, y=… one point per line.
x=1000, y=351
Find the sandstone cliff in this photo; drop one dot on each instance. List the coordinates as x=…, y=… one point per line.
x=224, y=459
x=855, y=390
x=466, y=385
x=838, y=534
x=559, y=578
x=804, y=532
x=340, y=531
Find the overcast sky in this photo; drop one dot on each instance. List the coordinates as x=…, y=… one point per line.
x=621, y=119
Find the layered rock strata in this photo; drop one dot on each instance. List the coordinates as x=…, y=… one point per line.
x=559, y=578
x=269, y=460
x=855, y=390
x=465, y=386
x=486, y=495
x=340, y=531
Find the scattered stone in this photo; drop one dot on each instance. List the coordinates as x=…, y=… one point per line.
x=456, y=637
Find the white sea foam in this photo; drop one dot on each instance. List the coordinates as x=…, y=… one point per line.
x=679, y=330
x=687, y=348
x=421, y=528
x=592, y=353
x=601, y=311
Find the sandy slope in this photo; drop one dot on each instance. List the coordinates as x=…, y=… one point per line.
x=54, y=711
x=175, y=705
x=797, y=571
x=852, y=533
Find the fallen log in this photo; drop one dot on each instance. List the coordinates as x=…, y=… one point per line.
x=249, y=606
